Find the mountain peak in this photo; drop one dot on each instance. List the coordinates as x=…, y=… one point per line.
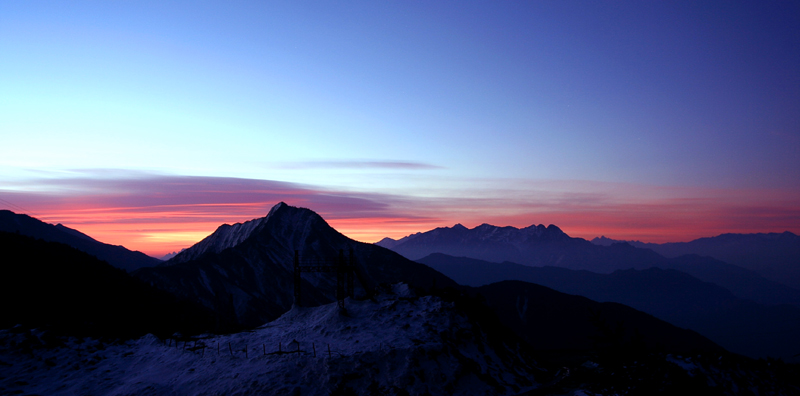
x=275, y=208
x=280, y=217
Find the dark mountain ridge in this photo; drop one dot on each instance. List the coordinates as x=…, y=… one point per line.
x=55, y=286
x=117, y=256
x=738, y=325
x=775, y=256
x=540, y=246
x=245, y=271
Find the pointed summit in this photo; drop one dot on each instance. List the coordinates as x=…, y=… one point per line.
x=245, y=271
x=280, y=218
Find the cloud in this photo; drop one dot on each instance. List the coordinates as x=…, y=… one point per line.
x=162, y=213
x=366, y=165
x=139, y=210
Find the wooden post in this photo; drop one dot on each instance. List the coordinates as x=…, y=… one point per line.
x=297, y=278
x=350, y=284
x=340, y=268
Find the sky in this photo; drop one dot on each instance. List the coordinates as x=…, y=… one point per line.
x=149, y=124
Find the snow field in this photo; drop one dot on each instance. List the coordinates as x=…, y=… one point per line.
x=392, y=345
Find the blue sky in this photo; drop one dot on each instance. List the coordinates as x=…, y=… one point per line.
x=410, y=104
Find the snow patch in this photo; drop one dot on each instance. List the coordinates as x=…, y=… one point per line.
x=383, y=346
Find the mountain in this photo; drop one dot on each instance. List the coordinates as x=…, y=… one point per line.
x=395, y=344
x=550, y=320
x=170, y=255
x=738, y=325
x=117, y=256
x=548, y=246
x=401, y=344
x=775, y=256
x=51, y=285
x=245, y=271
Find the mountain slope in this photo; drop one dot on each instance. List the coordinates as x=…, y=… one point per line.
x=244, y=271
x=738, y=325
x=117, y=256
x=549, y=246
x=397, y=344
x=52, y=285
x=551, y=320
x=775, y=256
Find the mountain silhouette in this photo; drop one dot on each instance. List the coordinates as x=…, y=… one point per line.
x=553, y=321
x=549, y=246
x=775, y=256
x=245, y=271
x=55, y=286
x=740, y=326
x=117, y=256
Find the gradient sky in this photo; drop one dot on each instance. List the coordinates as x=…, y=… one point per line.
x=148, y=124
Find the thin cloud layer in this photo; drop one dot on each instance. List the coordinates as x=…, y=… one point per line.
x=162, y=213
x=396, y=165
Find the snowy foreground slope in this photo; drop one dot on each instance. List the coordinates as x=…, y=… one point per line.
x=392, y=345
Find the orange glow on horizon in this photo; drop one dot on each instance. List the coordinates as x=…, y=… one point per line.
x=159, y=218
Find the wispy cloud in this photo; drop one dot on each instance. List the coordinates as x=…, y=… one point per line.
x=365, y=165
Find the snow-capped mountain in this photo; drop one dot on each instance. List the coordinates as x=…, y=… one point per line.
x=244, y=271
x=535, y=245
x=540, y=246
x=226, y=236
x=484, y=239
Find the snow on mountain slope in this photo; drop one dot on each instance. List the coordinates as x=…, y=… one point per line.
x=252, y=282
x=392, y=345
x=224, y=237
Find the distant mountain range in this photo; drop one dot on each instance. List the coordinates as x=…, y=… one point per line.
x=506, y=336
x=676, y=297
x=117, y=256
x=775, y=256
x=549, y=246
x=242, y=273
